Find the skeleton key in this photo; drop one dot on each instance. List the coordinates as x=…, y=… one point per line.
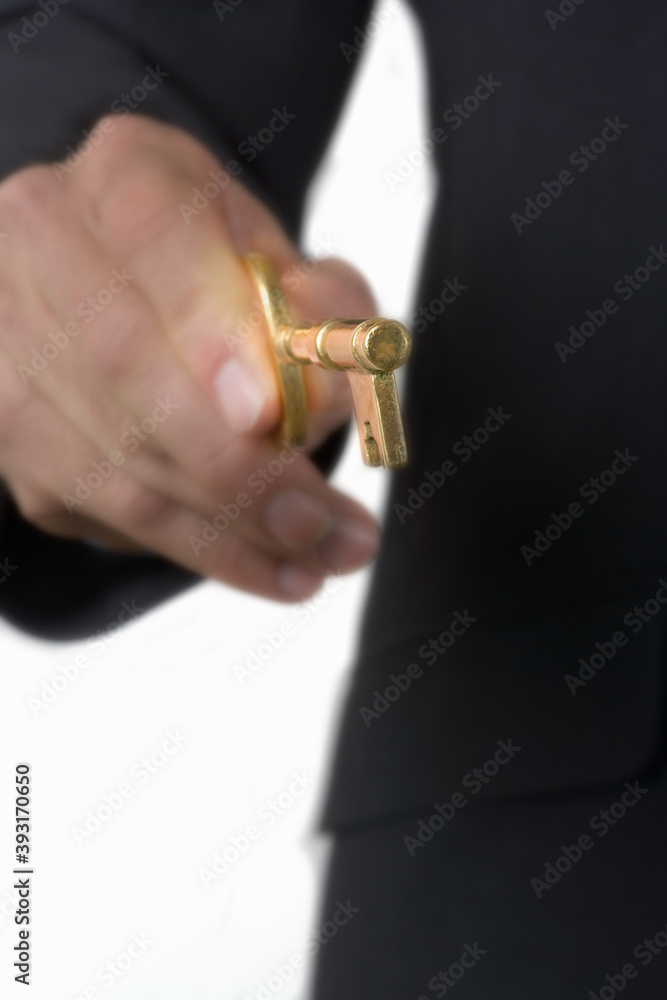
x=368, y=350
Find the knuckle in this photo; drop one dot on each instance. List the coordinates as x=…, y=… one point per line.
x=220, y=470
x=115, y=339
x=130, y=130
x=213, y=475
x=20, y=408
x=140, y=138
x=24, y=196
x=141, y=508
x=35, y=505
x=134, y=185
x=224, y=559
x=135, y=207
x=125, y=137
x=12, y=323
x=13, y=398
x=8, y=304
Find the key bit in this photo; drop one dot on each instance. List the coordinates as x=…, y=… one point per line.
x=368, y=350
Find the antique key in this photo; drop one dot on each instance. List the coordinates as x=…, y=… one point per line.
x=368, y=350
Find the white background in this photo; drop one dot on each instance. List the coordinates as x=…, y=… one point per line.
x=173, y=670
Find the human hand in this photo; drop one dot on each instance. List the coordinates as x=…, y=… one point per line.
x=138, y=399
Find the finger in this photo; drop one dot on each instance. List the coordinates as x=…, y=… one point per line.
x=169, y=529
x=279, y=501
x=186, y=263
x=41, y=459
x=115, y=371
x=287, y=506
x=35, y=441
x=71, y=381
x=124, y=356
x=231, y=464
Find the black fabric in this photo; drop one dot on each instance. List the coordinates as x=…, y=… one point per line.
x=494, y=347
x=59, y=82
x=490, y=351
x=503, y=678
x=536, y=911
x=238, y=68
x=58, y=589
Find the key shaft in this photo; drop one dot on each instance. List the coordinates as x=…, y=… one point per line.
x=368, y=350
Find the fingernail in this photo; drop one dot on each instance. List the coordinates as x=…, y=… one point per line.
x=296, y=519
x=297, y=583
x=349, y=544
x=241, y=395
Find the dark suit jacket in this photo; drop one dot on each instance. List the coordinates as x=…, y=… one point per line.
x=530, y=521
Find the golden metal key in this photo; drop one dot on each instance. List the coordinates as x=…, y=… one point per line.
x=368, y=350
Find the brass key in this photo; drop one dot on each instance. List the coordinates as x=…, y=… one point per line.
x=368, y=350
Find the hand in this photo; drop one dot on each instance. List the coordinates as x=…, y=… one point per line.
x=138, y=398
